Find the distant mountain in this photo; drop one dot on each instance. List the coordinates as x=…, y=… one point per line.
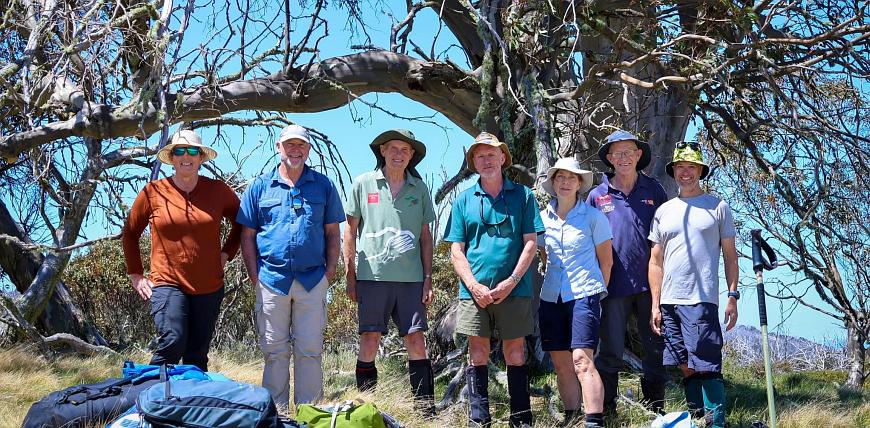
x=743, y=343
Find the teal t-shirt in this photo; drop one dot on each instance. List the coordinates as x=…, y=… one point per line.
x=492, y=230
x=388, y=245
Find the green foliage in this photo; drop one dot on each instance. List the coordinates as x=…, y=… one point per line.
x=97, y=280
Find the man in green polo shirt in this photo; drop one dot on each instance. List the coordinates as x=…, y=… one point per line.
x=492, y=230
x=388, y=255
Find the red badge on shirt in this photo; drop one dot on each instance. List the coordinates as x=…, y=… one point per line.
x=603, y=200
x=374, y=198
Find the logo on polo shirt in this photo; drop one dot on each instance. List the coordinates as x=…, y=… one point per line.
x=648, y=201
x=374, y=198
x=605, y=203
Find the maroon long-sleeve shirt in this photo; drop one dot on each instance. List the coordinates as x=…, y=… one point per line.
x=185, y=233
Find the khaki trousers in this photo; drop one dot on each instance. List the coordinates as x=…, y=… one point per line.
x=292, y=324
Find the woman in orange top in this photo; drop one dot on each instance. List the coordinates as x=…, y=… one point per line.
x=185, y=284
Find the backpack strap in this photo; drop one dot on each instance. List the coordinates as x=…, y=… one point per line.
x=164, y=377
x=92, y=393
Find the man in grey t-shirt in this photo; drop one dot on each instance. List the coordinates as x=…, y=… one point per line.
x=688, y=234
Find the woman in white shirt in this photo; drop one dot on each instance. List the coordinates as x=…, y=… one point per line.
x=576, y=250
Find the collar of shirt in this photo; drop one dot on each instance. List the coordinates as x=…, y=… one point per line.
x=578, y=209
x=409, y=179
x=305, y=177
x=642, y=182
x=507, y=185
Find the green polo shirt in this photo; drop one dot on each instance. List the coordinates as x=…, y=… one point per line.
x=388, y=244
x=492, y=230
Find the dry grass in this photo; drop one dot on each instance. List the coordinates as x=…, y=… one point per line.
x=819, y=415
x=25, y=378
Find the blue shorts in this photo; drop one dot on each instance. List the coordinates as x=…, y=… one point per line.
x=570, y=325
x=693, y=336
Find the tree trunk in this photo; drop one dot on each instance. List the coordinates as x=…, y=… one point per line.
x=61, y=314
x=855, y=340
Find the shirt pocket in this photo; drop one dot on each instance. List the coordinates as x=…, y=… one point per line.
x=315, y=208
x=270, y=211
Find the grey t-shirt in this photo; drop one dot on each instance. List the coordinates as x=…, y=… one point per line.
x=690, y=231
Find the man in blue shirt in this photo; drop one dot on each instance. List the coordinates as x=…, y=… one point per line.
x=492, y=231
x=629, y=199
x=290, y=244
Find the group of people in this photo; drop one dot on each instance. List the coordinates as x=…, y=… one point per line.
x=624, y=249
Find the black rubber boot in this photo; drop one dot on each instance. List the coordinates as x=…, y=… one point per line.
x=422, y=386
x=366, y=375
x=653, y=394
x=518, y=388
x=477, y=378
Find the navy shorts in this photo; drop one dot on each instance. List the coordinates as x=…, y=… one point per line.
x=570, y=325
x=693, y=336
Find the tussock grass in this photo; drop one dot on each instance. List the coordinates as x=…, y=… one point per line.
x=805, y=399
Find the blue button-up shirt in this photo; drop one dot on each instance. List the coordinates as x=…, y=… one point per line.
x=573, y=271
x=630, y=217
x=291, y=242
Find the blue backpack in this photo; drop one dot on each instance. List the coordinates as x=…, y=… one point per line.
x=204, y=403
x=81, y=406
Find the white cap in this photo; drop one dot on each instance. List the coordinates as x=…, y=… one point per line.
x=294, y=131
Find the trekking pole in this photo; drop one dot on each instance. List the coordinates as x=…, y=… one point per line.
x=759, y=265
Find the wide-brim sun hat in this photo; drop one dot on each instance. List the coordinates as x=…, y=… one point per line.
x=685, y=152
x=186, y=138
x=487, y=139
x=616, y=136
x=401, y=135
x=571, y=165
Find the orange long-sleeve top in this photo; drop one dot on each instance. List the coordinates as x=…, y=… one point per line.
x=185, y=233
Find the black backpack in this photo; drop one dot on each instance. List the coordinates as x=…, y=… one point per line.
x=84, y=405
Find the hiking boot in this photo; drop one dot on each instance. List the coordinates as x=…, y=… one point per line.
x=594, y=420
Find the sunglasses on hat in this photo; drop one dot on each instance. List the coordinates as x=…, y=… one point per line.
x=690, y=144
x=180, y=151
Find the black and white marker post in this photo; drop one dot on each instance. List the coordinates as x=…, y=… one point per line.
x=759, y=265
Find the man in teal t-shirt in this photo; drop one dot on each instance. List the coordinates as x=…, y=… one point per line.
x=492, y=229
x=388, y=255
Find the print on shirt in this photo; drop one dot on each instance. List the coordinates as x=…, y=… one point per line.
x=401, y=242
x=605, y=203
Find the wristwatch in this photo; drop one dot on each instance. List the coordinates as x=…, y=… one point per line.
x=734, y=294
x=515, y=278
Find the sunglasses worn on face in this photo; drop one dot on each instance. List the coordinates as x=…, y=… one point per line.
x=296, y=195
x=690, y=144
x=180, y=151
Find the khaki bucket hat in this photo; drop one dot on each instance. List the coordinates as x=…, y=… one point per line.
x=185, y=137
x=487, y=139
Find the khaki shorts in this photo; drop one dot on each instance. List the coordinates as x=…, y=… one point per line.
x=510, y=319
